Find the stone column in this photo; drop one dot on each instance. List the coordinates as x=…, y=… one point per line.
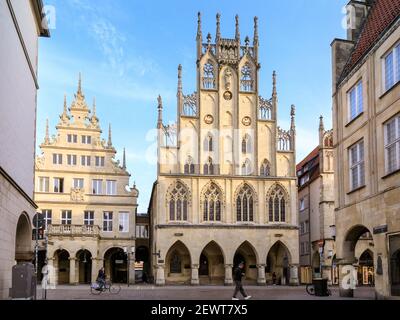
x=131, y=267
x=294, y=275
x=160, y=276
x=195, y=275
x=347, y=279
x=228, y=274
x=51, y=276
x=261, y=281
x=72, y=273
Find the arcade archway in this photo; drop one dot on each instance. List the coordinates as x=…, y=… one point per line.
x=178, y=264
x=211, y=265
x=278, y=262
x=247, y=254
x=23, y=239
x=115, y=260
x=84, y=265
x=62, y=266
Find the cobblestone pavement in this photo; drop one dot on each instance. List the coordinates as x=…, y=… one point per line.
x=149, y=292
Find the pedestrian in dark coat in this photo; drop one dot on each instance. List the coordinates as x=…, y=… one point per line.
x=237, y=277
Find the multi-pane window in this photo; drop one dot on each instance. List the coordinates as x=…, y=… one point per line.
x=355, y=97
x=246, y=81
x=78, y=183
x=245, y=205
x=71, y=160
x=277, y=204
x=302, y=204
x=66, y=217
x=124, y=222
x=100, y=161
x=111, y=187
x=142, y=231
x=246, y=144
x=209, y=76
x=57, y=159
x=47, y=215
x=97, y=187
x=209, y=167
x=85, y=161
x=357, y=165
x=178, y=199
x=391, y=67
x=72, y=138
x=392, y=144
x=246, y=168
x=212, y=203
x=44, y=184
x=189, y=166
x=208, y=143
x=86, y=140
x=108, y=221
x=58, y=184
x=88, y=218
x=265, y=170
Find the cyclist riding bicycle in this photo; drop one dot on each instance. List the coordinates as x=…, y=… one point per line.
x=101, y=279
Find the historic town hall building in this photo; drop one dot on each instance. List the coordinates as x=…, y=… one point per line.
x=84, y=194
x=226, y=188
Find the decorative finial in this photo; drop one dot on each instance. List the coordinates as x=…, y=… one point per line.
x=247, y=41
x=293, y=115
x=47, y=136
x=160, y=109
x=124, y=160
x=80, y=84
x=199, y=33
x=274, y=92
x=65, y=104
x=94, y=106
x=255, y=40
x=180, y=86
x=218, y=33
x=109, y=143
x=321, y=123
x=237, y=33
x=209, y=39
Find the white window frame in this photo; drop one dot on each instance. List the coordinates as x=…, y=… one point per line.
x=108, y=221
x=302, y=204
x=67, y=219
x=395, y=143
x=357, y=164
x=100, y=161
x=359, y=107
x=85, y=161
x=72, y=159
x=88, y=217
x=47, y=217
x=97, y=187
x=78, y=183
x=111, y=187
x=44, y=184
x=57, y=159
x=58, y=185
x=86, y=140
x=142, y=231
x=72, y=138
x=123, y=220
x=396, y=67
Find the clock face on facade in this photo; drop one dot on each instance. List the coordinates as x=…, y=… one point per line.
x=246, y=121
x=209, y=119
x=228, y=95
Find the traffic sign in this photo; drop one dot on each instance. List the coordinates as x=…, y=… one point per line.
x=38, y=220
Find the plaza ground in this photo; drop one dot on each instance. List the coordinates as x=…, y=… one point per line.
x=149, y=292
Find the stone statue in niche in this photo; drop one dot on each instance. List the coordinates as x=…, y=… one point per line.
x=228, y=79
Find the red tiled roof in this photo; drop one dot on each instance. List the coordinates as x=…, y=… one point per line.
x=381, y=16
x=311, y=156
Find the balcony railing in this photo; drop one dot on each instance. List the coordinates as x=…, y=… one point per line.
x=73, y=230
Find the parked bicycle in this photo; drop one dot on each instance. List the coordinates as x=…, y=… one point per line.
x=109, y=286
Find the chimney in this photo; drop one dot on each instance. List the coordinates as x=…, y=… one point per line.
x=357, y=11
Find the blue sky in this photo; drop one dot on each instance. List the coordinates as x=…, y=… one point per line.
x=128, y=53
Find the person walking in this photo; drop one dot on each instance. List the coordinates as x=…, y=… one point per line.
x=101, y=278
x=237, y=276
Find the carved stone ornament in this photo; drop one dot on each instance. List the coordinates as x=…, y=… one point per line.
x=209, y=119
x=77, y=195
x=228, y=95
x=246, y=121
x=228, y=79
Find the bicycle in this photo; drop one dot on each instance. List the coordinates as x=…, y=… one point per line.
x=311, y=290
x=108, y=286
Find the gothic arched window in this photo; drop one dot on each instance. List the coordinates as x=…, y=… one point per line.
x=277, y=204
x=209, y=143
x=209, y=167
x=245, y=205
x=246, y=168
x=209, y=76
x=212, y=200
x=265, y=170
x=175, y=263
x=189, y=166
x=178, y=199
x=246, y=79
x=246, y=146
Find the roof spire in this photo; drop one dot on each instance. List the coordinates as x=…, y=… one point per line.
x=199, y=33
x=321, y=123
x=180, y=85
x=274, y=92
x=237, y=33
x=218, y=33
x=293, y=117
x=255, y=40
x=47, y=135
x=80, y=84
x=160, y=109
x=65, y=104
x=124, y=160
x=109, y=143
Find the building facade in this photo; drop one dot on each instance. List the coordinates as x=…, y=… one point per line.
x=21, y=25
x=84, y=194
x=316, y=210
x=366, y=118
x=226, y=187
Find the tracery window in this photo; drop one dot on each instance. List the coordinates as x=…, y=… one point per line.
x=209, y=143
x=245, y=205
x=277, y=204
x=209, y=167
x=209, y=76
x=189, y=166
x=265, y=170
x=212, y=200
x=246, y=145
x=178, y=199
x=246, y=80
x=246, y=168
